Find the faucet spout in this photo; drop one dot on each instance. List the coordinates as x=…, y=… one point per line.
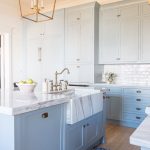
x=65, y=69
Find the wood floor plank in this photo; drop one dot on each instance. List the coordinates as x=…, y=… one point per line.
x=118, y=138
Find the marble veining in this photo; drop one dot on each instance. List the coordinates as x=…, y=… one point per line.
x=21, y=103
x=141, y=137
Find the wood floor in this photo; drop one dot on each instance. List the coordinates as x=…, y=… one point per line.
x=118, y=138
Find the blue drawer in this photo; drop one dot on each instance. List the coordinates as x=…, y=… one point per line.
x=136, y=100
x=136, y=91
x=133, y=117
x=137, y=109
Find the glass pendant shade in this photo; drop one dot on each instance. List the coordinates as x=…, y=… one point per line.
x=37, y=10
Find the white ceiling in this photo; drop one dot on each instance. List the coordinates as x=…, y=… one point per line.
x=69, y=3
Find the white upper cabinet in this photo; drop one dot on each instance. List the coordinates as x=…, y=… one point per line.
x=81, y=42
x=129, y=33
x=73, y=39
x=87, y=36
x=79, y=45
x=119, y=32
x=129, y=51
x=109, y=40
x=145, y=51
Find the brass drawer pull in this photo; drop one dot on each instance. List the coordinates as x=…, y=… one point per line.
x=138, y=108
x=45, y=115
x=138, y=118
x=138, y=100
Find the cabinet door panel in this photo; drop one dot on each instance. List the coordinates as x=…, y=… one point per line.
x=129, y=40
x=80, y=73
x=115, y=108
x=39, y=133
x=74, y=138
x=109, y=41
x=73, y=37
x=91, y=131
x=34, y=66
x=87, y=36
x=130, y=11
x=145, y=40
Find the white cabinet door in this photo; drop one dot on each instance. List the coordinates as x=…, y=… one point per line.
x=34, y=65
x=53, y=46
x=87, y=36
x=129, y=49
x=109, y=41
x=35, y=30
x=129, y=11
x=73, y=27
x=146, y=39
x=80, y=73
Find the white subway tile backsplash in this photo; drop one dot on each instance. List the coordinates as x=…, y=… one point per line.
x=130, y=74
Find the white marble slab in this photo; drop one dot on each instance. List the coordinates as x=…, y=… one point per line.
x=145, y=86
x=141, y=137
x=22, y=103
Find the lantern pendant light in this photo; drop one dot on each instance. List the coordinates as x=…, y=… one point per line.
x=37, y=10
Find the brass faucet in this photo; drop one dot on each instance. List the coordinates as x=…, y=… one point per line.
x=56, y=77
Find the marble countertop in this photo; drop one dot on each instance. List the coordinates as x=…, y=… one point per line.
x=121, y=85
x=19, y=103
x=141, y=137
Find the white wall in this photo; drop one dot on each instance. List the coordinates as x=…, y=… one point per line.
x=11, y=22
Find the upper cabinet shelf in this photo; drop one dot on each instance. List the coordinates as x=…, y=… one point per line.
x=125, y=34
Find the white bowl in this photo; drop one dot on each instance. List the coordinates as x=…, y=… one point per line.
x=27, y=88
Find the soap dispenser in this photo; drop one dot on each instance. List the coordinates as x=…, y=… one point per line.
x=45, y=86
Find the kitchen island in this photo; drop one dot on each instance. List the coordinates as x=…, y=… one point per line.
x=42, y=121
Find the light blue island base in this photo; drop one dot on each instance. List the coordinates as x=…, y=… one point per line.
x=46, y=129
x=85, y=134
x=42, y=129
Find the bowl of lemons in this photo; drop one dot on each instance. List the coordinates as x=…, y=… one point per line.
x=27, y=86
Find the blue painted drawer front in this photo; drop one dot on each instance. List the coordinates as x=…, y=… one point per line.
x=137, y=109
x=136, y=91
x=133, y=117
x=141, y=100
x=135, y=104
x=39, y=132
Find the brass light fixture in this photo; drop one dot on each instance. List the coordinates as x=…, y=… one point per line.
x=37, y=10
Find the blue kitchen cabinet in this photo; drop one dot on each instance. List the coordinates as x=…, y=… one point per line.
x=84, y=134
x=42, y=129
x=75, y=136
x=114, y=107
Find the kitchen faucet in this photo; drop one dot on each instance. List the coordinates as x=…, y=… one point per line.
x=56, y=78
